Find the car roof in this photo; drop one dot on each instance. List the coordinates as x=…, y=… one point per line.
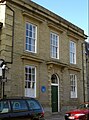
x=16, y=98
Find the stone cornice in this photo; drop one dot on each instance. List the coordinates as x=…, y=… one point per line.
x=57, y=63
x=34, y=17
x=63, y=65
x=74, y=68
x=45, y=13
x=31, y=58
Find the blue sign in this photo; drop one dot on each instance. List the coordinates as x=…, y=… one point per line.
x=43, y=89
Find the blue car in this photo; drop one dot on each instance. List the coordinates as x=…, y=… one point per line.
x=21, y=107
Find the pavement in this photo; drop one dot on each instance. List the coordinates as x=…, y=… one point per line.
x=58, y=116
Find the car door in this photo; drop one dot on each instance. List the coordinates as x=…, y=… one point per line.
x=35, y=108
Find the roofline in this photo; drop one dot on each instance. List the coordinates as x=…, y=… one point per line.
x=38, y=9
x=52, y=14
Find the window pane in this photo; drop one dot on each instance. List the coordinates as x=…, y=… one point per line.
x=30, y=76
x=34, y=28
x=33, y=71
x=31, y=36
x=33, y=77
x=25, y=76
x=54, y=45
x=54, y=79
x=33, y=42
x=72, y=52
x=26, y=26
x=33, y=104
x=29, y=70
x=29, y=84
x=26, y=70
x=26, y=84
x=27, y=40
x=34, y=35
x=73, y=83
x=26, y=32
x=19, y=105
x=33, y=84
x=4, y=106
x=30, y=27
x=33, y=48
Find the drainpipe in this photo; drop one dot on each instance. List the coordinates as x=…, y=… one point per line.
x=83, y=71
x=12, y=35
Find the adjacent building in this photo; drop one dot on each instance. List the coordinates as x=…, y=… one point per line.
x=44, y=56
x=87, y=65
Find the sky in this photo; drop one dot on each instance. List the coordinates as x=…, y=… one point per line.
x=74, y=11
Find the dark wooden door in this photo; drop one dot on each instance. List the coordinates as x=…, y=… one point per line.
x=54, y=98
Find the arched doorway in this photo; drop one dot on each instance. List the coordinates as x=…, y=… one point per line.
x=55, y=93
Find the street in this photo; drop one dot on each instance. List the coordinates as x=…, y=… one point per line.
x=55, y=117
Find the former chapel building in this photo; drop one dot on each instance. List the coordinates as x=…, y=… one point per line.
x=43, y=53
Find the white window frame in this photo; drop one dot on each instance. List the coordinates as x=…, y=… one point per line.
x=31, y=81
x=2, y=13
x=54, y=45
x=31, y=38
x=73, y=86
x=72, y=52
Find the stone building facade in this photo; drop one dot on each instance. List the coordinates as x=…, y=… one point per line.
x=44, y=55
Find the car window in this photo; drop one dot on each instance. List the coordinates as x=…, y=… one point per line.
x=4, y=106
x=19, y=105
x=33, y=104
x=84, y=106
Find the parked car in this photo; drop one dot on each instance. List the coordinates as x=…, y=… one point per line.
x=81, y=113
x=21, y=107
